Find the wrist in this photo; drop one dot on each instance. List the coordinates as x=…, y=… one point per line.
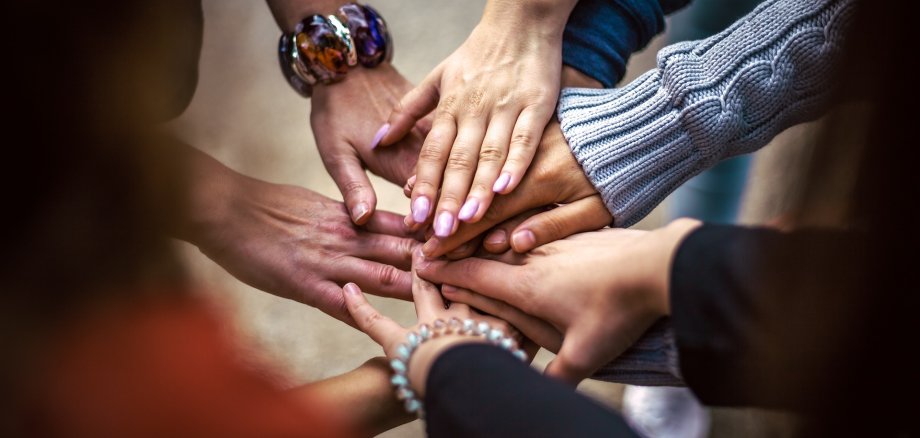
x=427, y=353
x=212, y=190
x=531, y=17
x=671, y=237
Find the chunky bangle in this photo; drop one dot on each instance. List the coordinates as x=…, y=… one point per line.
x=322, y=48
x=404, y=351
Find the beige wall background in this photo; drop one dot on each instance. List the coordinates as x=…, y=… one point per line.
x=245, y=115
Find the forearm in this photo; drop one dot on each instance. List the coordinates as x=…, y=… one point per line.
x=364, y=398
x=545, y=18
x=707, y=101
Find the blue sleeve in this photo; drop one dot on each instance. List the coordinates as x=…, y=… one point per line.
x=601, y=34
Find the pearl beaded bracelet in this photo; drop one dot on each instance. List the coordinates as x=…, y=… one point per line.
x=404, y=351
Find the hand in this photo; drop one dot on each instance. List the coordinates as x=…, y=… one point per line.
x=553, y=178
x=292, y=242
x=494, y=95
x=429, y=306
x=345, y=117
x=601, y=289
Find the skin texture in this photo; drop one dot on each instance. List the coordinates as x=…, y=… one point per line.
x=600, y=290
x=429, y=306
x=293, y=242
x=487, y=122
x=553, y=178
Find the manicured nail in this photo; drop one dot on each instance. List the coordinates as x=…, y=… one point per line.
x=469, y=209
x=379, y=135
x=444, y=224
x=352, y=289
x=523, y=240
x=497, y=237
x=359, y=212
x=420, y=209
x=502, y=182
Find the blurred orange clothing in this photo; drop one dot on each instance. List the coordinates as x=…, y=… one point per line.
x=162, y=368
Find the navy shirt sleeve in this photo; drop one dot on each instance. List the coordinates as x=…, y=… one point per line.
x=601, y=34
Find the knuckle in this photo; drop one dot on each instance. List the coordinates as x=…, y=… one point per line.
x=447, y=105
x=431, y=152
x=474, y=102
x=491, y=153
x=522, y=138
x=388, y=276
x=370, y=317
x=352, y=187
x=459, y=161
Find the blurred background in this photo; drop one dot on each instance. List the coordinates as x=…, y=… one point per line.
x=247, y=116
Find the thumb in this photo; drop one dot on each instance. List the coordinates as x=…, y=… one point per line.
x=581, y=354
x=356, y=188
x=415, y=105
x=380, y=328
x=586, y=214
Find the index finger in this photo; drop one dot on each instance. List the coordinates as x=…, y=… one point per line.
x=487, y=277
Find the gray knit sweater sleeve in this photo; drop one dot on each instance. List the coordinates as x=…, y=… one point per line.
x=707, y=100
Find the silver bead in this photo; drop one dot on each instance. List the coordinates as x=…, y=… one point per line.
x=439, y=325
x=413, y=340
x=403, y=352
x=404, y=393
x=507, y=343
x=495, y=335
x=399, y=367
x=424, y=331
x=482, y=328
x=399, y=380
x=520, y=354
x=467, y=327
x=454, y=325
x=413, y=405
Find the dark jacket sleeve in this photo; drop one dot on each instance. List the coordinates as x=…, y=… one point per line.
x=479, y=390
x=765, y=318
x=601, y=34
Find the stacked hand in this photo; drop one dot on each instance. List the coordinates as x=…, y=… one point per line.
x=598, y=291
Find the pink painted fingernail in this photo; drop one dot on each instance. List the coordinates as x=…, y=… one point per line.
x=523, y=240
x=469, y=209
x=352, y=289
x=444, y=224
x=379, y=135
x=502, y=182
x=420, y=209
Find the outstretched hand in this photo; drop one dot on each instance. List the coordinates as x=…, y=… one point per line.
x=601, y=290
x=345, y=118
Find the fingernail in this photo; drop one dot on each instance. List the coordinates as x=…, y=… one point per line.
x=352, y=289
x=359, y=212
x=420, y=209
x=523, y=240
x=411, y=182
x=379, y=135
x=429, y=247
x=444, y=224
x=502, y=182
x=497, y=237
x=469, y=209
x=448, y=289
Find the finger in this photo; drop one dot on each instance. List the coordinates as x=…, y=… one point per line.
x=375, y=278
x=581, y=354
x=327, y=297
x=475, y=274
x=389, y=250
x=407, y=189
x=379, y=327
x=498, y=240
x=414, y=106
x=431, y=161
x=586, y=214
x=524, y=140
x=465, y=250
x=427, y=297
x=492, y=156
x=385, y=222
x=458, y=174
x=502, y=209
x=537, y=330
x=357, y=191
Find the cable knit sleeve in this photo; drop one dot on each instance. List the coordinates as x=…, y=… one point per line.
x=707, y=100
